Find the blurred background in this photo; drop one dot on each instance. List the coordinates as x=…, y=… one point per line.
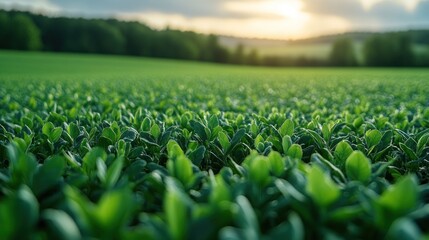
x=245, y=32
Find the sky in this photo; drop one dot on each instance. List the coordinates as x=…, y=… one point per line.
x=274, y=19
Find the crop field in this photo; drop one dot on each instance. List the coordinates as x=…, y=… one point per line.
x=104, y=147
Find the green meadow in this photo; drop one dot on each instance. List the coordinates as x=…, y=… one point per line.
x=114, y=147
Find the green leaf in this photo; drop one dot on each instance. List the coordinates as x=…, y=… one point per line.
x=197, y=156
x=231, y=233
x=176, y=205
x=60, y=225
x=373, y=137
x=155, y=130
x=259, y=140
x=220, y=190
x=286, y=143
x=6, y=215
x=293, y=228
x=288, y=190
x=254, y=129
x=90, y=159
x=402, y=197
x=101, y=170
x=326, y=131
x=73, y=130
x=215, y=132
x=174, y=149
x=114, y=171
x=84, y=209
x=321, y=187
x=287, y=128
x=386, y=140
x=295, y=151
x=47, y=128
x=358, y=167
x=247, y=219
x=358, y=122
x=275, y=142
x=223, y=140
x=326, y=164
x=26, y=211
x=22, y=166
x=109, y=134
x=183, y=170
x=404, y=228
x=55, y=134
x=277, y=164
x=129, y=135
x=410, y=153
x=316, y=138
x=236, y=139
x=346, y=213
x=199, y=129
x=259, y=170
x=48, y=174
x=213, y=122
x=343, y=151
x=113, y=210
x=178, y=164
x=146, y=124
x=423, y=141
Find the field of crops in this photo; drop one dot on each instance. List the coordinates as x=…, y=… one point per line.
x=127, y=148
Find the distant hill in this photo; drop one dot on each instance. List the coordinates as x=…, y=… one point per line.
x=318, y=47
x=417, y=36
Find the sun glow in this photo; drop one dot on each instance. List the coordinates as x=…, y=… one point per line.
x=290, y=10
x=410, y=5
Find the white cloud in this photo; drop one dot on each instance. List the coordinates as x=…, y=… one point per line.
x=34, y=5
x=252, y=18
x=280, y=28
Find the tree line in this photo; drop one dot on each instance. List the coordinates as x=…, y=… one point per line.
x=379, y=50
x=28, y=31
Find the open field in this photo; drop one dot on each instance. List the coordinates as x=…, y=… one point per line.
x=112, y=147
x=315, y=48
x=319, y=51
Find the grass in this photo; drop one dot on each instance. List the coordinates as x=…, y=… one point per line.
x=115, y=147
x=36, y=65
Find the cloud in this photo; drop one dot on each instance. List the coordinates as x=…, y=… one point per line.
x=253, y=18
x=422, y=10
x=350, y=8
x=35, y=5
x=187, y=8
x=382, y=13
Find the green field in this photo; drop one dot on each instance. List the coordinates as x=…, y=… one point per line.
x=105, y=147
x=319, y=51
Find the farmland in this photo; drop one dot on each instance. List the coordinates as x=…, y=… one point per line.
x=111, y=147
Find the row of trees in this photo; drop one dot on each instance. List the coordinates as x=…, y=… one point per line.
x=380, y=50
x=27, y=31
x=19, y=32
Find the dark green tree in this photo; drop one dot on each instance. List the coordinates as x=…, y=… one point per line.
x=138, y=38
x=106, y=38
x=253, y=58
x=238, y=55
x=214, y=52
x=343, y=53
x=389, y=50
x=24, y=35
x=4, y=30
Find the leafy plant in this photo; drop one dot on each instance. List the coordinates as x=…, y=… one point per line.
x=211, y=152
